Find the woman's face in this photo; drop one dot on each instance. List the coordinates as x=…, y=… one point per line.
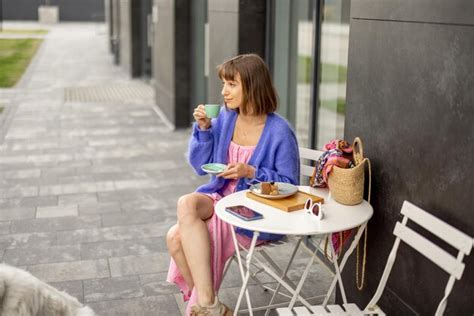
x=232, y=92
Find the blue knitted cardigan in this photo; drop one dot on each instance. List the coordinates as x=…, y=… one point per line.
x=275, y=158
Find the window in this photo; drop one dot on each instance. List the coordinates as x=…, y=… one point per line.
x=312, y=97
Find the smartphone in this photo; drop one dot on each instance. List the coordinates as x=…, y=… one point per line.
x=244, y=213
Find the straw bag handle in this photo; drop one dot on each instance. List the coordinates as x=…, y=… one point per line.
x=358, y=151
x=360, y=280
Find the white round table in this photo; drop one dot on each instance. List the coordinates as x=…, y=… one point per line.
x=337, y=217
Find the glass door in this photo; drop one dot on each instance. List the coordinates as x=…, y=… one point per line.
x=332, y=69
x=308, y=42
x=292, y=34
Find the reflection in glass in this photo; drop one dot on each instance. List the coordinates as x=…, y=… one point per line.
x=293, y=31
x=333, y=71
x=304, y=69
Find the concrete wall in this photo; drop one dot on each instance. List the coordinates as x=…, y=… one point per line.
x=163, y=57
x=115, y=25
x=223, y=19
x=235, y=27
x=172, y=43
x=410, y=97
x=108, y=13
x=69, y=10
x=127, y=22
x=125, y=34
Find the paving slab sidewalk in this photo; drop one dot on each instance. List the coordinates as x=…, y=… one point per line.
x=88, y=188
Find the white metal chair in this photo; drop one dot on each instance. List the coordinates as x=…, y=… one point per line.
x=453, y=265
x=307, y=156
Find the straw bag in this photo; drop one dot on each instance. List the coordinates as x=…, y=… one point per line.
x=347, y=185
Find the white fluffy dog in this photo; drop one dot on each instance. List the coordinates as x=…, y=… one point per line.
x=21, y=294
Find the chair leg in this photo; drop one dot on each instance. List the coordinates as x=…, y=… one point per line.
x=447, y=291
x=252, y=275
x=283, y=275
x=385, y=275
x=245, y=275
x=346, y=255
x=227, y=266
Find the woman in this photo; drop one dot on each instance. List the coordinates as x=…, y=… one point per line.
x=257, y=145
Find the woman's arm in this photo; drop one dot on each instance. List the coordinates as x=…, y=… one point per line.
x=286, y=162
x=204, y=138
x=201, y=147
x=286, y=170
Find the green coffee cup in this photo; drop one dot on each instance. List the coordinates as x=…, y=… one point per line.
x=212, y=110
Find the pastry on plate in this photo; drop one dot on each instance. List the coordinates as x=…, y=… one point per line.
x=269, y=188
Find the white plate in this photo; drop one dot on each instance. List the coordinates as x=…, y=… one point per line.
x=213, y=168
x=284, y=189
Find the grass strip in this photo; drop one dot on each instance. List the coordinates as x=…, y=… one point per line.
x=338, y=105
x=15, y=56
x=23, y=31
x=329, y=72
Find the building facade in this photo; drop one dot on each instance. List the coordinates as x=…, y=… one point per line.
x=398, y=74
x=83, y=10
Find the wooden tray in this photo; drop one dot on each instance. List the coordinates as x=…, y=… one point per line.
x=288, y=204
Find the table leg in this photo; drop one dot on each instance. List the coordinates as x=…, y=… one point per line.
x=245, y=274
x=338, y=273
x=344, y=260
x=303, y=279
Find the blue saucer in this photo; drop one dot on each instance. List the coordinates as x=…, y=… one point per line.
x=213, y=168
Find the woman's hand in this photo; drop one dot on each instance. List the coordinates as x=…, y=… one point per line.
x=200, y=116
x=237, y=170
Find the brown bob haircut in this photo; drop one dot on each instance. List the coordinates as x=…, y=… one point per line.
x=258, y=94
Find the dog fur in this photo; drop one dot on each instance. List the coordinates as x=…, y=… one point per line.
x=22, y=294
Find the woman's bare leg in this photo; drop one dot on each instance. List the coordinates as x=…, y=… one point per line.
x=175, y=249
x=193, y=210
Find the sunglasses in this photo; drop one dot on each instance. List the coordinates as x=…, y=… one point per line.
x=314, y=209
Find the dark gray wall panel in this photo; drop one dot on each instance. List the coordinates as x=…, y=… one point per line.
x=136, y=37
x=410, y=98
x=20, y=9
x=141, y=31
x=432, y=11
x=182, y=62
x=84, y=10
x=69, y=10
x=252, y=17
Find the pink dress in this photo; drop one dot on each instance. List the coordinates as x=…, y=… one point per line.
x=222, y=246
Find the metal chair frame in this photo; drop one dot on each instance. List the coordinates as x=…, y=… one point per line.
x=453, y=265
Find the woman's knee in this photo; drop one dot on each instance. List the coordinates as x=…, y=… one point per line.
x=173, y=240
x=187, y=207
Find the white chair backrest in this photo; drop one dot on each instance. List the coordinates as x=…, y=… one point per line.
x=454, y=237
x=305, y=155
x=453, y=265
